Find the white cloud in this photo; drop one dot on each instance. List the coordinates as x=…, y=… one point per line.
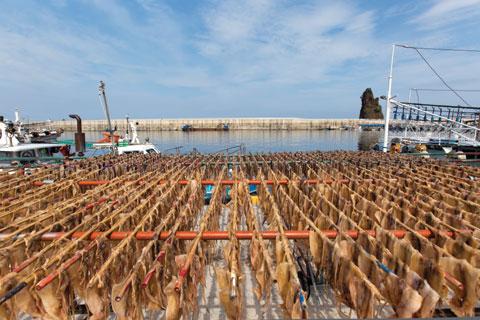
x=280, y=43
x=232, y=57
x=48, y=56
x=48, y=48
x=448, y=12
x=232, y=21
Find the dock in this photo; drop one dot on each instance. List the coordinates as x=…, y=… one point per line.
x=283, y=235
x=239, y=124
x=233, y=124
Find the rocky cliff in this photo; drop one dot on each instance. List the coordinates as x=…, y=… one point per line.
x=371, y=108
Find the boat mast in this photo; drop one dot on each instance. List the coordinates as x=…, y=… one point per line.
x=389, y=103
x=17, y=116
x=103, y=101
x=18, y=123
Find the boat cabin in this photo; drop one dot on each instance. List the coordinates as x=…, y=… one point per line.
x=138, y=148
x=12, y=149
x=129, y=144
x=125, y=148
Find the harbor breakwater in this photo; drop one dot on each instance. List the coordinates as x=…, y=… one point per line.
x=233, y=124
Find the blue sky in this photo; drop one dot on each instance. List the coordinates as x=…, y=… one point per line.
x=246, y=58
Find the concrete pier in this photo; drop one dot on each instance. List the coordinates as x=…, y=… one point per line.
x=233, y=123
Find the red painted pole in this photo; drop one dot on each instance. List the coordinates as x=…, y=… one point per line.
x=207, y=235
x=93, y=182
x=27, y=262
x=454, y=281
x=223, y=235
x=67, y=264
x=151, y=272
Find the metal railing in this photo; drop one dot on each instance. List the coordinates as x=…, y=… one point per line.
x=450, y=125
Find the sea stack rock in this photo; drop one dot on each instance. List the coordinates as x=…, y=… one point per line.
x=371, y=108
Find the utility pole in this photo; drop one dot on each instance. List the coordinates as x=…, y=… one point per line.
x=389, y=104
x=103, y=101
x=127, y=132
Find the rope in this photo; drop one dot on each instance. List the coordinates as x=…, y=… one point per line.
x=435, y=90
x=440, y=49
x=440, y=77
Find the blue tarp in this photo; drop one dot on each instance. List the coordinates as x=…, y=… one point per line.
x=210, y=188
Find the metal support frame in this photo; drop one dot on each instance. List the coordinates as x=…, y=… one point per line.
x=389, y=104
x=460, y=125
x=434, y=116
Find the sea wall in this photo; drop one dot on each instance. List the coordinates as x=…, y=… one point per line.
x=233, y=123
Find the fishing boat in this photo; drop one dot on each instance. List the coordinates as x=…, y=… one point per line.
x=14, y=150
x=130, y=143
x=220, y=127
x=43, y=135
x=187, y=127
x=30, y=134
x=108, y=138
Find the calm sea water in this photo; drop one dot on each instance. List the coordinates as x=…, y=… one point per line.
x=255, y=140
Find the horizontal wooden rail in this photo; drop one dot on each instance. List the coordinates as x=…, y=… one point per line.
x=224, y=182
x=221, y=235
